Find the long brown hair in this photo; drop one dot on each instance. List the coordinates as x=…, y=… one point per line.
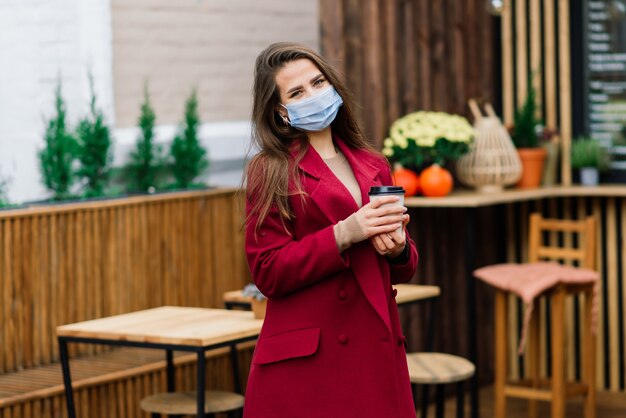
x=269, y=171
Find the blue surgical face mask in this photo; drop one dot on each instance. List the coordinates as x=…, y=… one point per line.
x=314, y=113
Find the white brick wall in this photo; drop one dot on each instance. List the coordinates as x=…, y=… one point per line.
x=175, y=44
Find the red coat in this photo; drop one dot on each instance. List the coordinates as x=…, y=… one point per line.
x=331, y=344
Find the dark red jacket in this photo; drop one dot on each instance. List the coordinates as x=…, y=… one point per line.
x=331, y=344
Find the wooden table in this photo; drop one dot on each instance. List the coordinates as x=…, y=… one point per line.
x=168, y=328
x=407, y=294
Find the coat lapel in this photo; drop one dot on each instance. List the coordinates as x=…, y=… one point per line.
x=334, y=200
x=330, y=195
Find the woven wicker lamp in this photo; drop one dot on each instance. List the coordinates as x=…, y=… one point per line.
x=492, y=162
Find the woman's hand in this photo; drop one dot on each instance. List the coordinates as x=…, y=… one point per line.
x=392, y=243
x=374, y=219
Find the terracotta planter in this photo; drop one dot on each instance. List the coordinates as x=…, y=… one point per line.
x=259, y=307
x=533, y=160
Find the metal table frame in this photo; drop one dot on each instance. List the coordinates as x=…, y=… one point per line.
x=169, y=349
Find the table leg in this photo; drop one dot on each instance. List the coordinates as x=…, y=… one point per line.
x=440, y=401
x=234, y=360
x=470, y=263
x=67, y=378
x=171, y=378
x=201, y=377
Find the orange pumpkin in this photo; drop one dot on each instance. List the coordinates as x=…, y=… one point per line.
x=407, y=179
x=436, y=181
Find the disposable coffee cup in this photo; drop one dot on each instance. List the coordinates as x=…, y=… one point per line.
x=376, y=192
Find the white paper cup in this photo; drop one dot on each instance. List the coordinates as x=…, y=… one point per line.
x=376, y=192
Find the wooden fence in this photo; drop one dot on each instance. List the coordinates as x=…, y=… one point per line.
x=73, y=262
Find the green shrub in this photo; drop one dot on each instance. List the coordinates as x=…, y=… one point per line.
x=146, y=158
x=57, y=157
x=94, y=150
x=188, y=156
x=4, y=186
x=588, y=153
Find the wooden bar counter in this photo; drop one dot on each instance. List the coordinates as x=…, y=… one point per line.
x=466, y=230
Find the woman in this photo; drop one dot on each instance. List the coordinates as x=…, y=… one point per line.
x=323, y=254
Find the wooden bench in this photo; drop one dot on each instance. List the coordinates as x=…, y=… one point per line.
x=110, y=384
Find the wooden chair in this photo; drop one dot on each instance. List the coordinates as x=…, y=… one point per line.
x=555, y=389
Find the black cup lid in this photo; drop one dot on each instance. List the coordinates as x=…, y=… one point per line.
x=386, y=190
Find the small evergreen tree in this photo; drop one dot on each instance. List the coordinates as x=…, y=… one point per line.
x=4, y=185
x=525, y=122
x=145, y=159
x=189, y=157
x=57, y=158
x=94, y=151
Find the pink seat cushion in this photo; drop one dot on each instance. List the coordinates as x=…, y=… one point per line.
x=532, y=279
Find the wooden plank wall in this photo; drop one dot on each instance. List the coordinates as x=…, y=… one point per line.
x=399, y=56
x=74, y=262
x=611, y=346
x=536, y=48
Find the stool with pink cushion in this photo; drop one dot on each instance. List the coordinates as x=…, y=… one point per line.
x=532, y=281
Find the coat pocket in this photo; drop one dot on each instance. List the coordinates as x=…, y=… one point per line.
x=286, y=345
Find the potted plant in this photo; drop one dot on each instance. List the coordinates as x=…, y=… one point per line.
x=526, y=139
x=589, y=157
x=424, y=142
x=257, y=299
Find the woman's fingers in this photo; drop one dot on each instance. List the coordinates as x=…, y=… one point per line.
x=379, y=245
x=384, y=229
x=389, y=244
x=387, y=210
x=386, y=220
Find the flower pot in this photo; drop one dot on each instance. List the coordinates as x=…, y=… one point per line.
x=533, y=160
x=259, y=307
x=589, y=176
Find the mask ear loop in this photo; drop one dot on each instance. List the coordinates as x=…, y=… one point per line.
x=283, y=117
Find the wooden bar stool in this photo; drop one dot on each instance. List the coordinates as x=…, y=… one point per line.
x=554, y=389
x=184, y=403
x=440, y=369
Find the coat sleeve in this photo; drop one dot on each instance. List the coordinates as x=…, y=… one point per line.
x=280, y=264
x=403, y=272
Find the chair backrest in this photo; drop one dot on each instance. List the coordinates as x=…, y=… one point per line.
x=585, y=251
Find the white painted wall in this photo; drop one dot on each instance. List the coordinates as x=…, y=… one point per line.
x=42, y=40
